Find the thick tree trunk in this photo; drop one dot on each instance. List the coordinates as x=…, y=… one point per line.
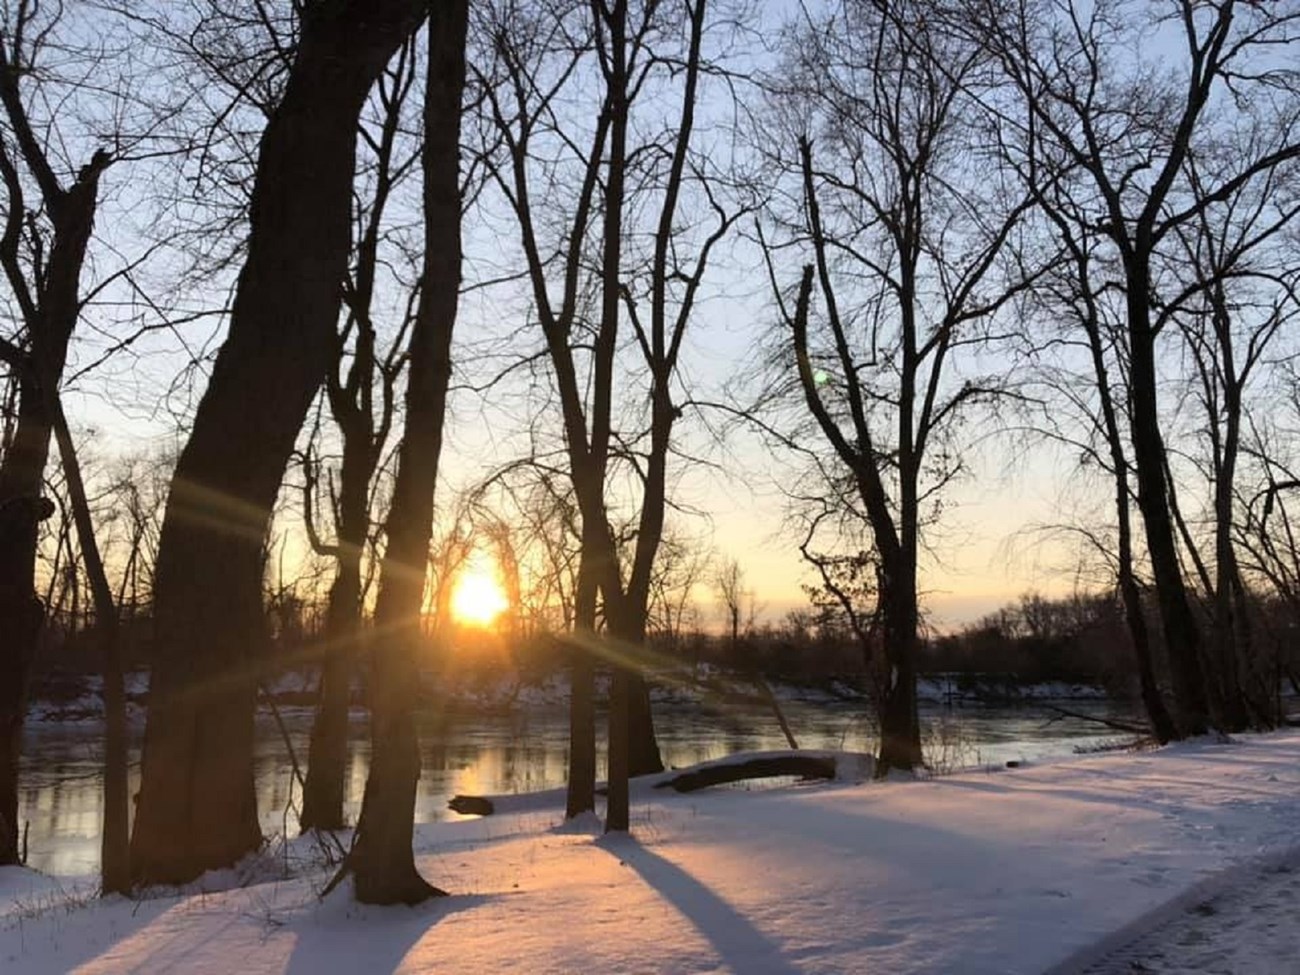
x=383, y=862
x=900, y=731
x=1182, y=636
x=197, y=809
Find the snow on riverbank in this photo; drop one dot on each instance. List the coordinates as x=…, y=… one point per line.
x=1013, y=871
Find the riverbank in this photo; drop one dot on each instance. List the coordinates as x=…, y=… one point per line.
x=981, y=872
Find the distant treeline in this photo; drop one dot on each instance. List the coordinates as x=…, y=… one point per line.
x=1078, y=639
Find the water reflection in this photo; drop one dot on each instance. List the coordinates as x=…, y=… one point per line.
x=477, y=753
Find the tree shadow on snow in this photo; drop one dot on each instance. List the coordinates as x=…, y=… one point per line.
x=739, y=944
x=369, y=940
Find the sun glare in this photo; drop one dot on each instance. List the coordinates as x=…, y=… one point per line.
x=478, y=599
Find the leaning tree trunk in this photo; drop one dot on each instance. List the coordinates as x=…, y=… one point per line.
x=58, y=304
x=383, y=862
x=197, y=809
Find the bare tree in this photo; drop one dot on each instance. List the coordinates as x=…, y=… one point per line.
x=729, y=582
x=537, y=58
x=1125, y=132
x=50, y=210
x=197, y=808
x=905, y=224
x=1240, y=297
x=382, y=861
x=364, y=424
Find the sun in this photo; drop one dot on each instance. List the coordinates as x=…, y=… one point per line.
x=478, y=598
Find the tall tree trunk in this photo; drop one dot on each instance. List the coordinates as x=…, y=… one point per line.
x=115, y=869
x=1229, y=634
x=327, y=752
x=580, y=794
x=197, y=809
x=624, y=632
x=1135, y=619
x=1182, y=636
x=383, y=863
x=57, y=304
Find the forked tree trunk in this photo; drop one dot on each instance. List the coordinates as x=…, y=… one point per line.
x=197, y=809
x=383, y=862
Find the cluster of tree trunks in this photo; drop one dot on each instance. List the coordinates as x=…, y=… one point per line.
x=196, y=807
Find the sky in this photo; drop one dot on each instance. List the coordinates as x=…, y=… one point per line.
x=990, y=546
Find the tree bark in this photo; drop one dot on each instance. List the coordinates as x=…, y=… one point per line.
x=1134, y=616
x=197, y=808
x=383, y=862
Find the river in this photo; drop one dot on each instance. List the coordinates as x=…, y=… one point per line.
x=482, y=753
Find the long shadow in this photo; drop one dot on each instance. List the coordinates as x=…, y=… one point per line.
x=372, y=940
x=740, y=945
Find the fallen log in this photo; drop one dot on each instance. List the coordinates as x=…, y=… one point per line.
x=1127, y=726
x=801, y=766
x=471, y=805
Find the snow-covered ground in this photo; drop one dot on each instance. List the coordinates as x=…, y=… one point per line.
x=1012, y=871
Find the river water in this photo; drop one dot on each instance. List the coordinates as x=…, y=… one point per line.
x=472, y=752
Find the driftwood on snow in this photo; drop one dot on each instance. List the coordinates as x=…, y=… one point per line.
x=803, y=766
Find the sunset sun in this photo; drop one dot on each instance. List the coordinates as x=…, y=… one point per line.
x=478, y=598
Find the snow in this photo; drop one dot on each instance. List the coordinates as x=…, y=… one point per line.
x=1247, y=928
x=981, y=872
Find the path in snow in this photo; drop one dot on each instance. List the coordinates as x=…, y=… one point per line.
x=1250, y=929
